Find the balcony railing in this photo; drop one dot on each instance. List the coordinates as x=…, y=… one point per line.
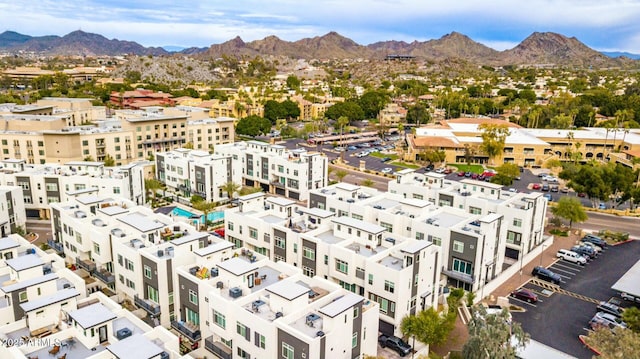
x=105, y=276
x=217, y=348
x=151, y=307
x=57, y=246
x=189, y=330
x=86, y=264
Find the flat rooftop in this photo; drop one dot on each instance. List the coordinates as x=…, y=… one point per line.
x=445, y=219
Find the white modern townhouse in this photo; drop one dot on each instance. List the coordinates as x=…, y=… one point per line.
x=277, y=170
x=523, y=213
x=398, y=272
x=51, y=183
x=95, y=327
x=195, y=172
x=12, y=212
x=126, y=248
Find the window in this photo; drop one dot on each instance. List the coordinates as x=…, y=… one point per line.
x=121, y=277
x=23, y=296
x=192, y=316
x=389, y=286
x=131, y=284
x=309, y=272
x=242, y=354
x=458, y=246
x=517, y=222
x=253, y=233
x=116, y=190
x=147, y=271
x=356, y=312
x=128, y=264
x=241, y=329
x=475, y=210
x=309, y=253
x=230, y=226
x=356, y=216
x=260, y=341
x=120, y=259
x=52, y=187
x=370, y=279
x=220, y=319
x=384, y=305
x=387, y=226
x=461, y=266
x=342, y=266
x=326, y=259
x=287, y=351
x=280, y=242
x=354, y=340
x=193, y=297
x=514, y=237
x=96, y=248
x=153, y=294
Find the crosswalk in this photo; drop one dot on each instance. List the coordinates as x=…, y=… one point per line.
x=556, y=288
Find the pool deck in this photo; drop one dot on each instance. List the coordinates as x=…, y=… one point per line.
x=211, y=216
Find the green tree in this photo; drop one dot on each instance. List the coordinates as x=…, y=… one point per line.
x=491, y=335
x=507, y=172
x=571, y=209
x=372, y=102
x=205, y=207
x=230, y=188
x=109, y=161
x=561, y=121
x=631, y=316
x=619, y=343
x=367, y=182
x=418, y=114
x=273, y=111
x=152, y=186
x=293, y=82
x=493, y=138
x=428, y=326
x=432, y=156
x=341, y=174
x=348, y=109
x=253, y=126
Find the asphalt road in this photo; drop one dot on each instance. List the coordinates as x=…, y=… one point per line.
x=557, y=320
x=598, y=221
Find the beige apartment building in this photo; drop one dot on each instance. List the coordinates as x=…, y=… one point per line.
x=55, y=136
x=524, y=146
x=234, y=108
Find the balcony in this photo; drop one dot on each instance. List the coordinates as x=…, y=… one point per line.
x=151, y=307
x=217, y=348
x=86, y=264
x=57, y=246
x=189, y=330
x=105, y=276
x=278, y=184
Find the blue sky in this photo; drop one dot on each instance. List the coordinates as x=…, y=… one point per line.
x=609, y=25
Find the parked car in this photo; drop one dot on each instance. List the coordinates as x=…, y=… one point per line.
x=546, y=275
x=582, y=194
x=430, y=167
x=602, y=206
x=545, y=187
x=467, y=174
x=595, y=240
x=592, y=252
x=387, y=170
x=589, y=254
x=630, y=297
x=608, y=318
x=448, y=171
x=525, y=294
x=570, y=256
x=352, y=148
x=440, y=170
x=543, y=174
x=536, y=186
x=565, y=190
x=395, y=343
x=385, y=159
x=550, y=179
x=461, y=174
x=554, y=189
x=596, y=248
x=613, y=309
x=548, y=197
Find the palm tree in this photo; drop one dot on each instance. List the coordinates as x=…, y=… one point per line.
x=152, y=185
x=205, y=207
x=230, y=188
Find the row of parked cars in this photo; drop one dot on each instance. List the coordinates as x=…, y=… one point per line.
x=608, y=315
x=587, y=249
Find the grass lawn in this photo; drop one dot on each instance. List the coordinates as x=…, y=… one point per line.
x=405, y=165
x=467, y=168
x=381, y=155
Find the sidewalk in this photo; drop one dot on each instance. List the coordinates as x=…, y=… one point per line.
x=545, y=259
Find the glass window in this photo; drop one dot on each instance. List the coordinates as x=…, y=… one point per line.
x=354, y=340
x=517, y=222
x=287, y=351
x=220, y=319
x=458, y=246
x=153, y=294
x=461, y=266
x=193, y=297
x=309, y=253
x=342, y=266
x=147, y=271
x=389, y=286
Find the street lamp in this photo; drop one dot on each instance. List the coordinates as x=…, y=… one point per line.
x=541, y=252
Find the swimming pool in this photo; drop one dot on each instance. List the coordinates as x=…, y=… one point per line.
x=211, y=216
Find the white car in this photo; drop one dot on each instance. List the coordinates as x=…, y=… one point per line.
x=387, y=170
x=550, y=179
x=440, y=170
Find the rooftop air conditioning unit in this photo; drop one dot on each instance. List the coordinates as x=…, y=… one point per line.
x=235, y=292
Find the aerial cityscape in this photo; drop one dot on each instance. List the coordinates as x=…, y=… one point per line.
x=265, y=180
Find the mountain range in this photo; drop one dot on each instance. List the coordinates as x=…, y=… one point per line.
x=538, y=48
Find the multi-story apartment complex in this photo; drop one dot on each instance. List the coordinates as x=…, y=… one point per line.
x=12, y=213
x=275, y=169
x=400, y=273
x=181, y=277
x=235, y=109
x=45, y=184
x=57, y=130
x=197, y=172
x=246, y=306
x=523, y=213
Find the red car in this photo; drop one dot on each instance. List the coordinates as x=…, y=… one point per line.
x=581, y=194
x=536, y=186
x=447, y=171
x=525, y=294
x=461, y=174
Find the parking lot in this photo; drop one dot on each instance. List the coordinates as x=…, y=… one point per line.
x=562, y=313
